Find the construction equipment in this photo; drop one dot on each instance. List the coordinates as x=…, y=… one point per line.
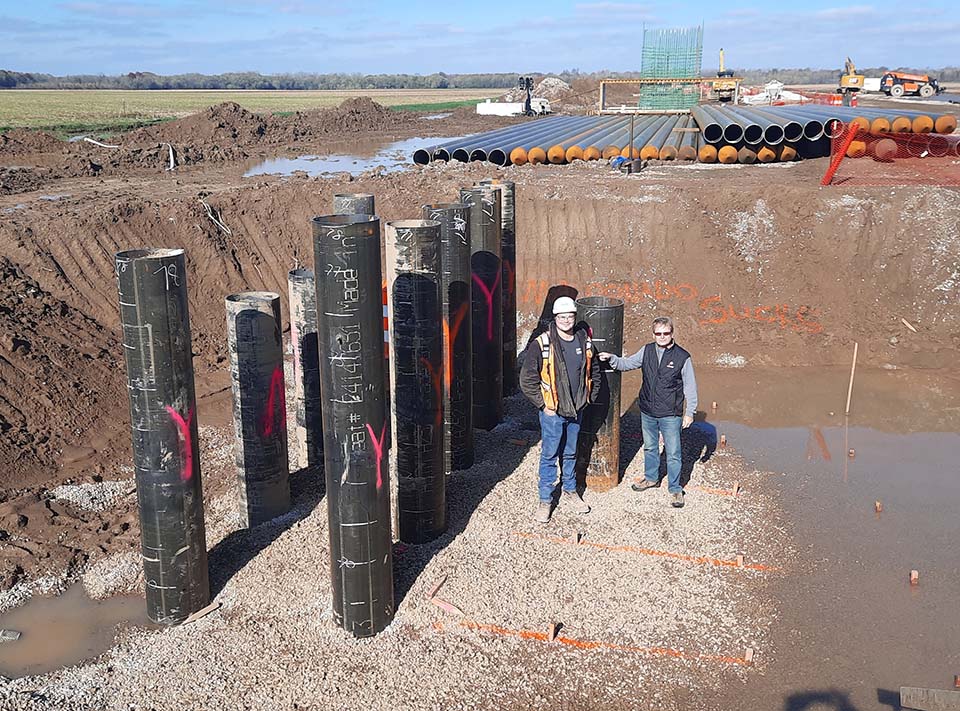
x=532, y=106
x=725, y=85
x=850, y=81
x=896, y=84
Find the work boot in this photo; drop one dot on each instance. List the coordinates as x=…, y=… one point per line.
x=643, y=484
x=676, y=500
x=573, y=500
x=543, y=512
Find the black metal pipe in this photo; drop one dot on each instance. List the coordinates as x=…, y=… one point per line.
x=732, y=131
x=353, y=204
x=456, y=292
x=482, y=150
x=508, y=260
x=598, y=448
x=413, y=272
x=308, y=410
x=711, y=130
x=259, y=405
x=350, y=338
x=440, y=150
x=487, y=304
x=152, y=288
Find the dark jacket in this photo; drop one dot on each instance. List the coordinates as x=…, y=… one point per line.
x=661, y=394
x=533, y=362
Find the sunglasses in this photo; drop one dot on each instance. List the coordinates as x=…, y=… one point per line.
x=663, y=333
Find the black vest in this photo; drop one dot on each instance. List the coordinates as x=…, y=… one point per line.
x=661, y=394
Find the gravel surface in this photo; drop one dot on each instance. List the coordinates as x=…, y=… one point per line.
x=634, y=623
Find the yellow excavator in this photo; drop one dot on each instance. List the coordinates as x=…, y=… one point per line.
x=725, y=85
x=850, y=81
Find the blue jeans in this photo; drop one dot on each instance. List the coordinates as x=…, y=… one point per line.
x=558, y=440
x=669, y=427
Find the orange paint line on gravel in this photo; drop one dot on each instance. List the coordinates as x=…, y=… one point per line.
x=593, y=644
x=703, y=560
x=708, y=490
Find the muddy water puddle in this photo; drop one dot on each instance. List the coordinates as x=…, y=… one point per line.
x=355, y=159
x=851, y=628
x=65, y=630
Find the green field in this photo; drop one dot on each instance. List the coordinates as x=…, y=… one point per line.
x=75, y=111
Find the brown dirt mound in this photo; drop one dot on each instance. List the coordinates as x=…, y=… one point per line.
x=21, y=140
x=53, y=359
x=352, y=116
x=20, y=180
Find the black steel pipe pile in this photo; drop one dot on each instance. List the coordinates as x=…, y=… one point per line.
x=350, y=338
x=259, y=405
x=308, y=411
x=599, y=444
x=413, y=272
x=152, y=288
x=508, y=260
x=487, y=304
x=353, y=204
x=455, y=293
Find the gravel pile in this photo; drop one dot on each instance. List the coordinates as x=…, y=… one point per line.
x=98, y=496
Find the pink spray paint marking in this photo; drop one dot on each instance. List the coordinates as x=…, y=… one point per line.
x=269, y=420
x=378, y=450
x=186, y=440
x=488, y=295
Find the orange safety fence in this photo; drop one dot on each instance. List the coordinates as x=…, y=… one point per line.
x=701, y=560
x=863, y=157
x=534, y=635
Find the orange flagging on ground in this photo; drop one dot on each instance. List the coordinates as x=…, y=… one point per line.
x=593, y=644
x=702, y=560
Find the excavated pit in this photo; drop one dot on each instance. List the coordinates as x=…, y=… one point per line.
x=769, y=277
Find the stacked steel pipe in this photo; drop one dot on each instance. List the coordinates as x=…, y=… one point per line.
x=728, y=134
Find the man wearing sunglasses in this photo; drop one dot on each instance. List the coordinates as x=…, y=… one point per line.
x=561, y=376
x=668, y=383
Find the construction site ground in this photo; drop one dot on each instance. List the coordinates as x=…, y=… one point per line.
x=794, y=594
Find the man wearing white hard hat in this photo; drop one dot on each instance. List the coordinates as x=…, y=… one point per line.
x=561, y=376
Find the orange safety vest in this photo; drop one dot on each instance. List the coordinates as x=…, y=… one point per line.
x=548, y=371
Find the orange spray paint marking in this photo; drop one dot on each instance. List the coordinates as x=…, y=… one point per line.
x=702, y=560
x=449, y=336
x=378, y=450
x=186, y=440
x=488, y=295
x=593, y=644
x=275, y=397
x=437, y=392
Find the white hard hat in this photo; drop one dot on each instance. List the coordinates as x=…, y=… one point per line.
x=564, y=305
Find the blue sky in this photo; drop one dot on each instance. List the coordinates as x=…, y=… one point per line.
x=423, y=36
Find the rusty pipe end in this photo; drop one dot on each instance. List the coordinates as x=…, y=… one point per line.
x=922, y=124
x=574, y=153
x=686, y=153
x=649, y=152
x=945, y=124
x=592, y=153
x=707, y=154
x=518, y=156
x=610, y=151
x=727, y=155
x=766, y=154
x=884, y=150
x=862, y=124
x=536, y=155
x=746, y=156
x=556, y=154
x=787, y=154
x=631, y=152
x=856, y=149
x=668, y=153
x=901, y=124
x=879, y=125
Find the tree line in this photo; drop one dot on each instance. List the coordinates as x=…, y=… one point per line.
x=438, y=80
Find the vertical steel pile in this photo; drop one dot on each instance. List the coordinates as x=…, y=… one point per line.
x=508, y=259
x=306, y=367
x=350, y=338
x=259, y=404
x=487, y=304
x=363, y=204
x=455, y=294
x=413, y=272
x=599, y=443
x=152, y=286
x=353, y=204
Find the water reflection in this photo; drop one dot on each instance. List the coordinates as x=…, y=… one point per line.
x=393, y=157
